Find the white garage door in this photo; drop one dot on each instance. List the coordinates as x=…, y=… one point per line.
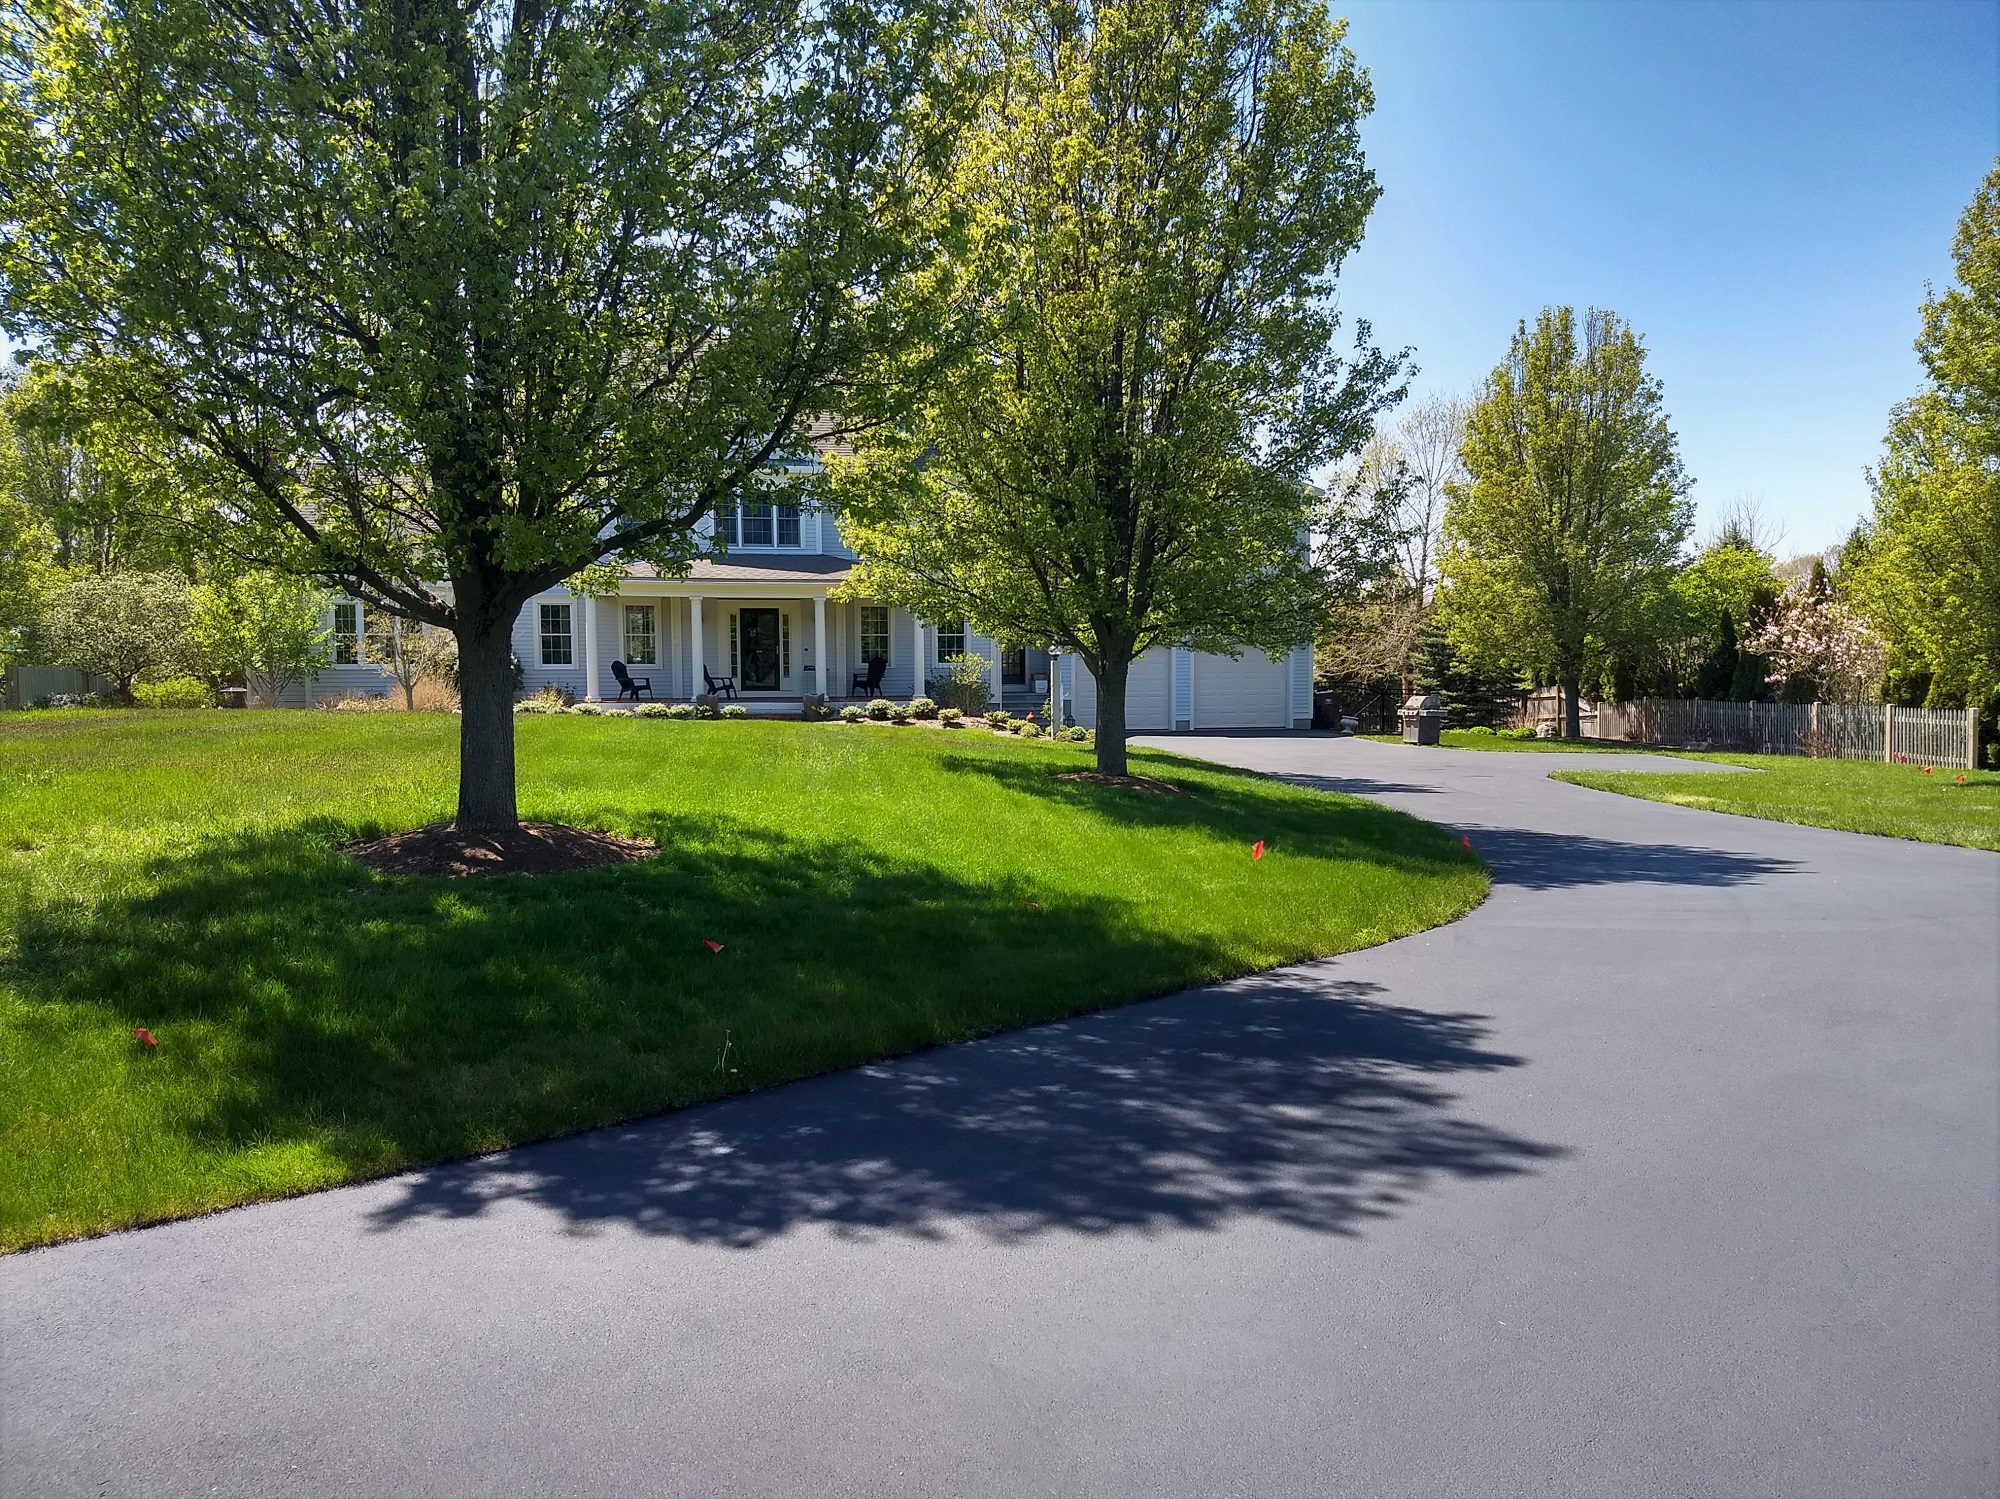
x=1251, y=692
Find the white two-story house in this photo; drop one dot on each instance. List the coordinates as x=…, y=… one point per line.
x=761, y=615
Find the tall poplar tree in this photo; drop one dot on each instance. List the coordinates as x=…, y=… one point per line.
x=1155, y=204
x=1562, y=539
x=450, y=300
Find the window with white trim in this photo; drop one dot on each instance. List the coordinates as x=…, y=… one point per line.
x=346, y=633
x=951, y=641
x=641, y=636
x=874, y=633
x=757, y=523
x=558, y=648
x=785, y=642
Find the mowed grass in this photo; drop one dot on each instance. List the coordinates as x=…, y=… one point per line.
x=1857, y=796
x=874, y=890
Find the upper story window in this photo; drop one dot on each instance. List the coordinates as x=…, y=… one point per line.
x=951, y=641
x=758, y=524
x=558, y=648
x=346, y=633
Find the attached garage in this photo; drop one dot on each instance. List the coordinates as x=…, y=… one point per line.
x=1148, y=694
x=1250, y=692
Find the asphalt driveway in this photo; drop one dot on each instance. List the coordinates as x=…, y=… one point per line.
x=1672, y=1170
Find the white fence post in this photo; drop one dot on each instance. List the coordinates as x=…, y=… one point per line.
x=1888, y=731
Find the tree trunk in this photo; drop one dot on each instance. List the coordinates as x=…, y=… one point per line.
x=486, y=727
x=1111, y=718
x=1571, y=687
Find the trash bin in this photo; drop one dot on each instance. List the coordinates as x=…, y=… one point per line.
x=1422, y=716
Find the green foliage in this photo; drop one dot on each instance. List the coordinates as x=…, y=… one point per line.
x=1560, y=546
x=1925, y=567
x=119, y=626
x=950, y=717
x=319, y=1024
x=923, y=707
x=175, y=692
x=267, y=628
x=963, y=684
x=471, y=294
x=1027, y=728
x=661, y=710
x=682, y=711
x=999, y=718
x=879, y=709
x=853, y=713
x=1471, y=694
x=1155, y=201
x=734, y=711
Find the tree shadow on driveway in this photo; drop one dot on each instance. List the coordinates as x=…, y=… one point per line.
x=1291, y=1097
x=1557, y=861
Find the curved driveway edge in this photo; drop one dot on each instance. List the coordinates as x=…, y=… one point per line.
x=1672, y=1169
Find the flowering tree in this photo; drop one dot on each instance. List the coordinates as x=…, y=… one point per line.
x=119, y=626
x=1814, y=637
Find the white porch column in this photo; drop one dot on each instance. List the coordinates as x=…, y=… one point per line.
x=822, y=657
x=916, y=656
x=591, y=693
x=993, y=671
x=696, y=687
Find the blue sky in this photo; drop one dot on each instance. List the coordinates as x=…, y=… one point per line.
x=1761, y=189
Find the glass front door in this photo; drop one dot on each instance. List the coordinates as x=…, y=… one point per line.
x=1014, y=668
x=761, y=665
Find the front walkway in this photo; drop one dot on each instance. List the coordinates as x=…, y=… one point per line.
x=1670, y=1170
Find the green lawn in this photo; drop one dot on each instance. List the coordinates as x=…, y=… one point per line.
x=875, y=890
x=1858, y=796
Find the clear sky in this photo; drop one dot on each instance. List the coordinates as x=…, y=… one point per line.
x=1761, y=189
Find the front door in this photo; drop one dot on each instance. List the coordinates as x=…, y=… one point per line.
x=1013, y=668
x=760, y=650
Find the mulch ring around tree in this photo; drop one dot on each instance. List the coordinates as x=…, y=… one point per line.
x=532, y=848
x=1133, y=783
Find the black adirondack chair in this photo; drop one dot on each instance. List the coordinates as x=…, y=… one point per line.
x=869, y=682
x=629, y=685
x=719, y=686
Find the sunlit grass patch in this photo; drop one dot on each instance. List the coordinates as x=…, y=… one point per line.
x=873, y=891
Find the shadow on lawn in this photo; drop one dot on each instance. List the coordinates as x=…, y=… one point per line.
x=1229, y=803
x=391, y=1021
x=1292, y=1097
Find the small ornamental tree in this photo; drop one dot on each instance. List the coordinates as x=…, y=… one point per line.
x=119, y=626
x=449, y=300
x=1155, y=206
x=410, y=653
x=268, y=628
x=1820, y=646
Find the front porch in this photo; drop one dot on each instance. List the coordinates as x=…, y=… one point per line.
x=770, y=625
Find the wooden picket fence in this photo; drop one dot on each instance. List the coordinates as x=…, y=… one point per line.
x=1831, y=731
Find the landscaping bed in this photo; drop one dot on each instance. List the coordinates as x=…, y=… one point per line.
x=820, y=897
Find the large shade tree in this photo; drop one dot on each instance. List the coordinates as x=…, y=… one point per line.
x=450, y=300
x=1926, y=565
x=1155, y=204
x=1560, y=544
